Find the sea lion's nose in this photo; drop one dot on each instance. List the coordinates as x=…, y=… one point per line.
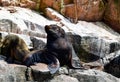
x=47, y=27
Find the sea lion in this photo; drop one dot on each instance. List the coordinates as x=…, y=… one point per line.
x=58, y=43
x=113, y=67
x=57, y=47
x=14, y=48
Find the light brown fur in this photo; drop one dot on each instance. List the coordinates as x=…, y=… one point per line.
x=13, y=47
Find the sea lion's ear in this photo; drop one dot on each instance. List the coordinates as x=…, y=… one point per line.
x=47, y=27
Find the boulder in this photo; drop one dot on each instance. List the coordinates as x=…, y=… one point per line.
x=77, y=9
x=16, y=73
x=9, y=26
x=96, y=44
x=112, y=14
x=85, y=10
x=15, y=23
x=92, y=76
x=12, y=72
x=64, y=78
x=40, y=72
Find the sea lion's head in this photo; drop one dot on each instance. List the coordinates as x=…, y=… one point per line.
x=54, y=31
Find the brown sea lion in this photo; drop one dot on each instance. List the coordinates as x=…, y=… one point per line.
x=14, y=48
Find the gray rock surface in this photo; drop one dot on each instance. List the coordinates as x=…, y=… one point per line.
x=93, y=76
x=64, y=78
x=20, y=73
x=12, y=72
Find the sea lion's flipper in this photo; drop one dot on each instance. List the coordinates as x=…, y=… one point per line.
x=75, y=61
x=53, y=67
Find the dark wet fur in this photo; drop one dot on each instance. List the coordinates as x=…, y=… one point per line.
x=40, y=56
x=58, y=43
x=113, y=67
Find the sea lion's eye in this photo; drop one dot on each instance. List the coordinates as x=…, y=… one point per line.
x=57, y=29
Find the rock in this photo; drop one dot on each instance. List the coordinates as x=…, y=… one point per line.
x=77, y=9
x=3, y=71
x=112, y=14
x=14, y=22
x=92, y=76
x=63, y=78
x=40, y=72
x=63, y=70
x=17, y=73
x=85, y=10
x=40, y=67
x=11, y=72
x=38, y=43
x=9, y=26
x=20, y=73
x=84, y=76
x=90, y=48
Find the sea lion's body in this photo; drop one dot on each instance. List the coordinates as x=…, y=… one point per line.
x=14, y=48
x=59, y=44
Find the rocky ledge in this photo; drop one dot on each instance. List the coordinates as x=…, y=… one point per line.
x=20, y=73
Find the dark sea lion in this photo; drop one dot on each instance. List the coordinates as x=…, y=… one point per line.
x=58, y=43
x=42, y=56
x=113, y=67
